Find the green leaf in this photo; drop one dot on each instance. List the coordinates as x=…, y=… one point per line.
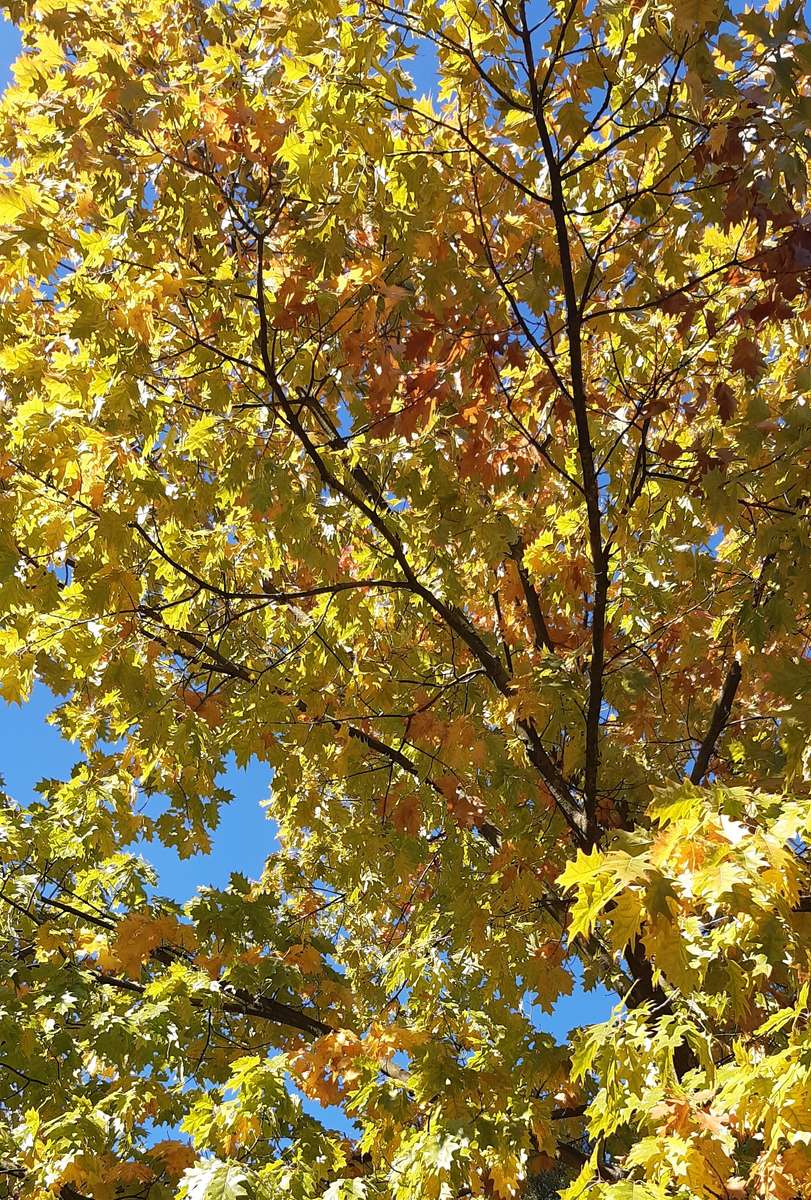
x=215, y=1180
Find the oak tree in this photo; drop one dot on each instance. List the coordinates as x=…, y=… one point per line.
x=443, y=445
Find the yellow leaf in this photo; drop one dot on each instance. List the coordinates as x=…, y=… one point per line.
x=175, y=1156
x=306, y=958
x=138, y=934
x=199, y=434
x=626, y=919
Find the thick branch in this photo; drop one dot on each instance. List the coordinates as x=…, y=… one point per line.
x=543, y=641
x=591, y=489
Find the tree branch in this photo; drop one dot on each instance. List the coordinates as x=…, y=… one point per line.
x=723, y=708
x=454, y=617
x=543, y=641
x=585, y=452
x=719, y=719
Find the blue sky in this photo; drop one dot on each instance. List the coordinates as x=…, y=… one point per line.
x=9, y=48
x=31, y=749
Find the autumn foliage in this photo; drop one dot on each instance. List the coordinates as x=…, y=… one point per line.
x=444, y=445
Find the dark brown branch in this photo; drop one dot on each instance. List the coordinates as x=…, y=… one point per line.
x=91, y=918
x=723, y=708
x=718, y=723
x=270, y=594
x=543, y=640
x=488, y=831
x=21, y=1074
x=591, y=491
x=502, y=631
x=241, y=1002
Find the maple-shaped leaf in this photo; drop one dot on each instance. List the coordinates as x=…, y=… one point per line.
x=214, y=1180
x=726, y=400
x=747, y=357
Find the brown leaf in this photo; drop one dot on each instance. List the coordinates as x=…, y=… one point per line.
x=746, y=357
x=670, y=451
x=406, y=815
x=726, y=400
x=675, y=303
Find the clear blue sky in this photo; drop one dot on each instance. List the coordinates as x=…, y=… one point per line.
x=9, y=48
x=31, y=749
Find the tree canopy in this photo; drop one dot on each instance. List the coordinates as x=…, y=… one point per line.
x=444, y=445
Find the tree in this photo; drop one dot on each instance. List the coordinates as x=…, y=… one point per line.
x=449, y=454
